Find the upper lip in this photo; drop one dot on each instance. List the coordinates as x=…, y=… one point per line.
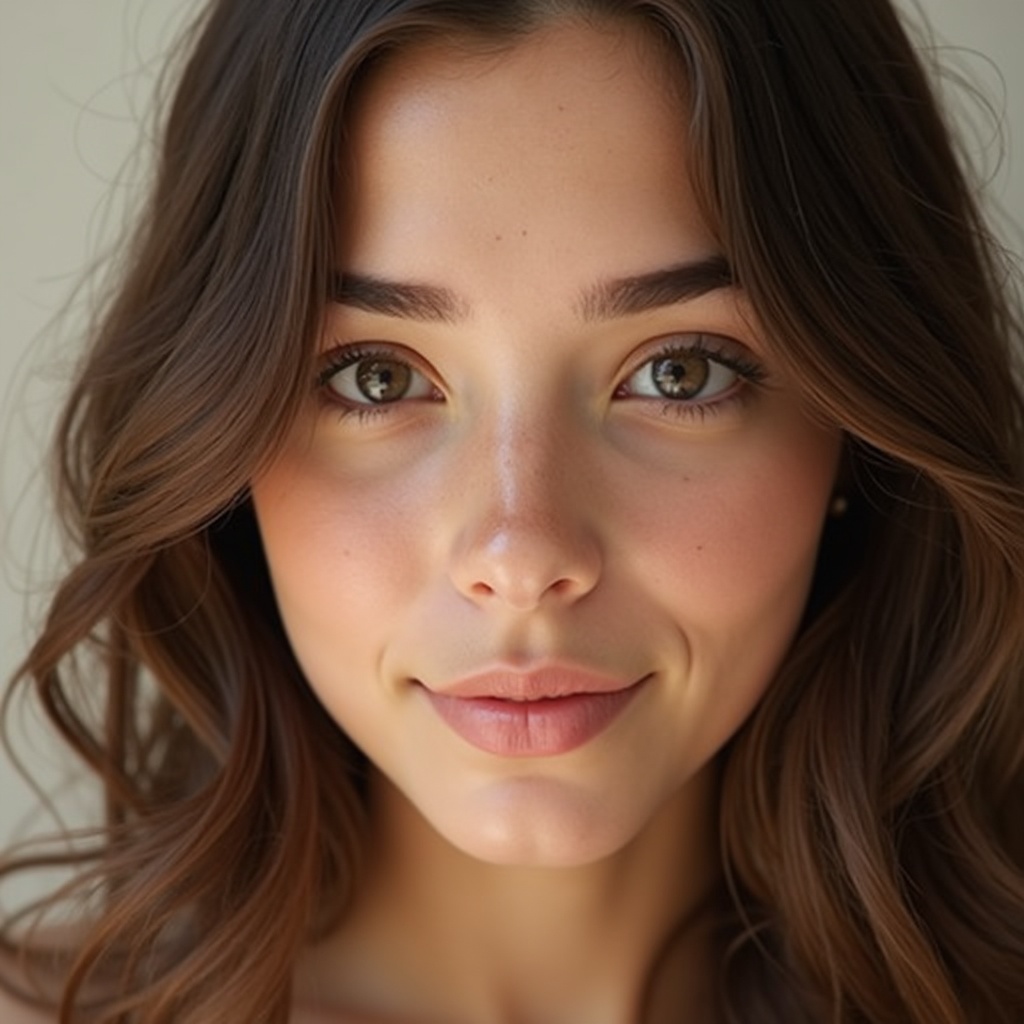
x=542, y=683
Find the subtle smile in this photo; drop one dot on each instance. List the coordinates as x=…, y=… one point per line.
x=537, y=714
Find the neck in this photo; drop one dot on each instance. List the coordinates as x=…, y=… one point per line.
x=436, y=934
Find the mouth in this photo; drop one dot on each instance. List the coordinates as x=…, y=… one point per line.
x=541, y=713
x=547, y=683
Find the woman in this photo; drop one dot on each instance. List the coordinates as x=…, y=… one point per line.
x=550, y=498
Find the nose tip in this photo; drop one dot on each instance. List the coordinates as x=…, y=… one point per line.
x=525, y=532
x=522, y=566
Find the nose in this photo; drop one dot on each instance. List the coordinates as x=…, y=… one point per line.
x=527, y=535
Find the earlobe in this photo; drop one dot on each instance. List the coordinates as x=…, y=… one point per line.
x=844, y=486
x=838, y=506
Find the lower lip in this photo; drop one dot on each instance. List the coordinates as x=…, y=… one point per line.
x=532, y=728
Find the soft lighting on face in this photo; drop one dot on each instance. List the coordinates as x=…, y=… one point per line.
x=549, y=525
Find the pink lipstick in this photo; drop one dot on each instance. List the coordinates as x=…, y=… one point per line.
x=532, y=714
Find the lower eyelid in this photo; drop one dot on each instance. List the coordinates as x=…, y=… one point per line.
x=739, y=394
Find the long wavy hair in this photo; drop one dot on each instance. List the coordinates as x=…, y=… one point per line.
x=871, y=807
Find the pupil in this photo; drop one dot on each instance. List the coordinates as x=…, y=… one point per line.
x=383, y=381
x=680, y=376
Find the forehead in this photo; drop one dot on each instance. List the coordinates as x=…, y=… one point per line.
x=546, y=58
x=562, y=154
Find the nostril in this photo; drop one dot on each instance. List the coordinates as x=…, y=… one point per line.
x=522, y=562
x=524, y=592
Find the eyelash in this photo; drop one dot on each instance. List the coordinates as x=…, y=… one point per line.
x=750, y=374
x=345, y=356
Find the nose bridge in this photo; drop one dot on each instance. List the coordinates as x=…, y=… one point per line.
x=524, y=462
x=525, y=535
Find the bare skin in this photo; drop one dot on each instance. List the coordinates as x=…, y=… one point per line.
x=623, y=940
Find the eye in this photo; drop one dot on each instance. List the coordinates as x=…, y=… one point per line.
x=357, y=376
x=684, y=375
x=695, y=369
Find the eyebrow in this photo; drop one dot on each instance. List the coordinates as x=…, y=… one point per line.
x=398, y=298
x=626, y=296
x=606, y=300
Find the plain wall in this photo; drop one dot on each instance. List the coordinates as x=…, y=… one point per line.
x=74, y=77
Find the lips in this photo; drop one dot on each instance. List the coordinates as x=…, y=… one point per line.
x=541, y=713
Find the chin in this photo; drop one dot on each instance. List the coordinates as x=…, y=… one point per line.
x=538, y=823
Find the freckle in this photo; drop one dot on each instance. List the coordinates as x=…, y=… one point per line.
x=523, y=233
x=497, y=238
x=700, y=547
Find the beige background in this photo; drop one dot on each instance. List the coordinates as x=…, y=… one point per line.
x=74, y=79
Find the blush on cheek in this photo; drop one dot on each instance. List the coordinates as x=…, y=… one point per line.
x=740, y=547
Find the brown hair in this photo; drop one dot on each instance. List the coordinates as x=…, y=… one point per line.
x=868, y=804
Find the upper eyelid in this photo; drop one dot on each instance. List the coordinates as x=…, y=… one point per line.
x=729, y=349
x=726, y=348
x=344, y=353
x=339, y=349
x=692, y=339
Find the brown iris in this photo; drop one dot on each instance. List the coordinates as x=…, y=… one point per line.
x=680, y=375
x=383, y=380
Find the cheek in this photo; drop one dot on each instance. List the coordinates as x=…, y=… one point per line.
x=732, y=545
x=744, y=525
x=728, y=555
x=342, y=558
x=759, y=533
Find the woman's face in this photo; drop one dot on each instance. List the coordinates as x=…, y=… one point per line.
x=548, y=525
